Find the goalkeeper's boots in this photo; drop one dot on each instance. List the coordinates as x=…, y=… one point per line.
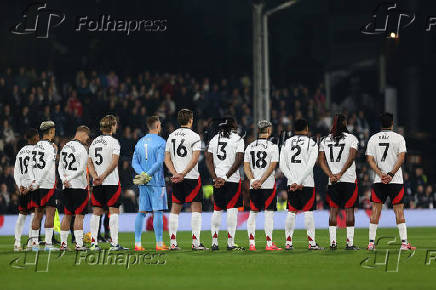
x=162, y=248
x=139, y=248
x=407, y=247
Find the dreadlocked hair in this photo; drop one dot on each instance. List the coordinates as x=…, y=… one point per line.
x=225, y=128
x=339, y=127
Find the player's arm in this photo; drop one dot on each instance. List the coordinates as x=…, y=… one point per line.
x=351, y=156
x=324, y=166
x=136, y=163
x=247, y=170
x=159, y=160
x=268, y=172
x=111, y=167
x=239, y=158
x=400, y=160
x=283, y=164
x=192, y=162
x=210, y=165
x=61, y=171
x=169, y=163
x=91, y=169
x=310, y=164
x=373, y=165
x=17, y=175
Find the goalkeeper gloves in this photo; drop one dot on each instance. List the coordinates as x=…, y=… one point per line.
x=141, y=179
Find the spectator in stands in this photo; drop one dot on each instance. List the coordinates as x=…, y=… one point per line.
x=425, y=198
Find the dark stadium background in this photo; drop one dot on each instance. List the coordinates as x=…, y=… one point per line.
x=213, y=40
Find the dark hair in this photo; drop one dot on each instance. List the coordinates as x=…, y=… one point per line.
x=339, y=127
x=83, y=128
x=184, y=116
x=151, y=121
x=226, y=126
x=300, y=124
x=32, y=132
x=386, y=120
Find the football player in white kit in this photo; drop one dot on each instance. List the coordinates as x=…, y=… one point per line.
x=260, y=160
x=72, y=171
x=24, y=177
x=44, y=167
x=385, y=153
x=223, y=159
x=104, y=153
x=182, y=151
x=297, y=159
x=336, y=158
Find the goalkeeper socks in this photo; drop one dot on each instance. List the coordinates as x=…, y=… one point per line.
x=403, y=232
x=196, y=228
x=350, y=236
x=94, y=224
x=332, y=231
x=232, y=222
x=139, y=225
x=158, y=227
x=173, y=224
x=269, y=225
x=19, y=228
x=309, y=222
x=64, y=238
x=113, y=227
x=251, y=227
x=289, y=227
x=78, y=234
x=372, y=232
x=48, y=236
x=215, y=226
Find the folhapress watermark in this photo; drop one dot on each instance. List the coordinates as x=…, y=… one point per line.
x=39, y=21
x=125, y=259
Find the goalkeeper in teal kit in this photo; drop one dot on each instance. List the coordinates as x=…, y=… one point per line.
x=147, y=162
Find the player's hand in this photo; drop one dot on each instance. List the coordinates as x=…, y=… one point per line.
x=219, y=182
x=97, y=181
x=178, y=177
x=333, y=179
x=293, y=187
x=256, y=184
x=300, y=187
x=386, y=179
x=67, y=184
x=337, y=176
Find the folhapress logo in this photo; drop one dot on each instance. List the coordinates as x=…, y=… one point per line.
x=388, y=19
x=38, y=20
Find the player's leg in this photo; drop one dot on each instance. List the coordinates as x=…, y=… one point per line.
x=332, y=226
x=251, y=222
x=159, y=204
x=19, y=224
x=36, y=223
x=308, y=195
x=350, y=192
x=378, y=198
x=215, y=225
x=114, y=213
x=397, y=195
x=234, y=200
x=140, y=217
x=195, y=196
x=350, y=220
x=270, y=206
x=98, y=200
x=178, y=198
x=65, y=229
x=49, y=226
x=78, y=232
x=290, y=218
x=113, y=193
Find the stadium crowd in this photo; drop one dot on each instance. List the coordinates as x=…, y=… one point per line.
x=29, y=97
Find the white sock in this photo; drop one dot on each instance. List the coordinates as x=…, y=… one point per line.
x=251, y=227
x=289, y=227
x=48, y=236
x=93, y=224
x=309, y=222
x=35, y=237
x=269, y=225
x=196, y=228
x=113, y=227
x=350, y=236
x=332, y=231
x=19, y=228
x=403, y=232
x=30, y=224
x=173, y=225
x=64, y=237
x=215, y=226
x=372, y=232
x=232, y=222
x=78, y=234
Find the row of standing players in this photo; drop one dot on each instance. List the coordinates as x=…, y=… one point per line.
x=225, y=154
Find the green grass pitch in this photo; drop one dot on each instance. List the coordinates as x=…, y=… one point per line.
x=298, y=269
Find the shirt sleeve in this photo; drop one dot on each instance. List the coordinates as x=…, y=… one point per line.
x=247, y=155
x=370, y=148
x=354, y=143
x=196, y=145
x=402, y=146
x=310, y=163
x=61, y=169
x=275, y=154
x=212, y=146
x=167, y=146
x=321, y=145
x=283, y=165
x=17, y=172
x=136, y=164
x=116, y=148
x=240, y=146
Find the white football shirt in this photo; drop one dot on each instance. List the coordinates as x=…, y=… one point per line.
x=44, y=164
x=297, y=159
x=260, y=154
x=72, y=164
x=181, y=144
x=385, y=147
x=100, y=152
x=23, y=171
x=224, y=154
x=336, y=154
